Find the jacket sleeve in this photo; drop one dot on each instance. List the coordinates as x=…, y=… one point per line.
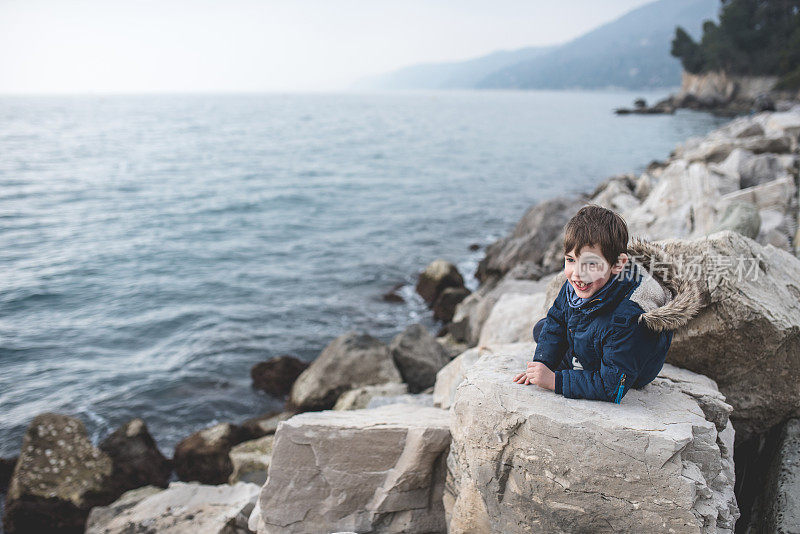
x=553, y=342
x=626, y=347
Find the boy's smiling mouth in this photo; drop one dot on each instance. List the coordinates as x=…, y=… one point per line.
x=580, y=286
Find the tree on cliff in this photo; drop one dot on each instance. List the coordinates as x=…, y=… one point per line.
x=754, y=37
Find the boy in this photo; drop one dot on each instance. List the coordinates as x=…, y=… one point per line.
x=612, y=322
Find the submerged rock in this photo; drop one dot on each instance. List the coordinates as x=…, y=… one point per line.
x=136, y=458
x=204, y=456
x=660, y=461
x=277, y=375
x=436, y=277
x=378, y=470
x=59, y=477
x=444, y=307
x=393, y=295
x=350, y=361
x=182, y=508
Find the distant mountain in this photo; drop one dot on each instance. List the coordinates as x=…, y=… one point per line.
x=454, y=75
x=630, y=52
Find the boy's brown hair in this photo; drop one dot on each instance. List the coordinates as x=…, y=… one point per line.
x=598, y=226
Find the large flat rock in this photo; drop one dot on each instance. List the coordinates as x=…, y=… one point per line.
x=375, y=470
x=182, y=508
x=452, y=374
x=524, y=459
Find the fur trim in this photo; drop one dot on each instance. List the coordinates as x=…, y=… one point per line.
x=686, y=296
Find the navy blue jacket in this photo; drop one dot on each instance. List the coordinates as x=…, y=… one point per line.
x=621, y=340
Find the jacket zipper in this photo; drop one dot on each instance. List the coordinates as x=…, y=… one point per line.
x=619, y=391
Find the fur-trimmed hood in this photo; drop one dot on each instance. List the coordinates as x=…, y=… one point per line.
x=669, y=301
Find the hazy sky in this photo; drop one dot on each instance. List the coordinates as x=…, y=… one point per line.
x=264, y=45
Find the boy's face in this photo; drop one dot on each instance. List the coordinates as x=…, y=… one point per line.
x=588, y=271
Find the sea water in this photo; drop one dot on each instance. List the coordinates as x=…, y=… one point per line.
x=154, y=248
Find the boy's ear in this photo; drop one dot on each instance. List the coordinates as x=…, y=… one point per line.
x=621, y=261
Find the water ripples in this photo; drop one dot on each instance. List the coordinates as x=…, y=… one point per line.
x=154, y=248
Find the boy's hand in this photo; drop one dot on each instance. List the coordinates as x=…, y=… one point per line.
x=521, y=378
x=537, y=373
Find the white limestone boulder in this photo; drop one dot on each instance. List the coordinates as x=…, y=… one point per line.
x=524, y=459
x=754, y=169
x=378, y=470
x=358, y=399
x=350, y=361
x=747, y=335
x=473, y=311
x=616, y=195
x=714, y=148
x=682, y=202
x=251, y=460
x=775, y=194
x=102, y=515
x=420, y=399
x=784, y=123
x=452, y=374
x=182, y=508
x=512, y=319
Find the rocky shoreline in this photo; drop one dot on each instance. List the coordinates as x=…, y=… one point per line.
x=721, y=94
x=428, y=433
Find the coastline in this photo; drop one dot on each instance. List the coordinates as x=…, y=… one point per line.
x=176, y=331
x=510, y=269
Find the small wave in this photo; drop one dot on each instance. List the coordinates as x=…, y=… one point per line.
x=25, y=298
